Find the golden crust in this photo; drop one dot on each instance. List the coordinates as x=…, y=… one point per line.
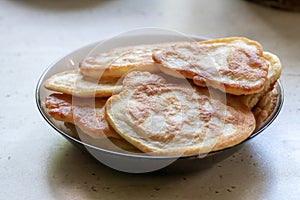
x=234, y=65
x=274, y=73
x=119, y=61
x=265, y=106
x=87, y=114
x=169, y=119
x=72, y=82
x=108, y=143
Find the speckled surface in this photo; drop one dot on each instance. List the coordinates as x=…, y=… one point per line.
x=37, y=163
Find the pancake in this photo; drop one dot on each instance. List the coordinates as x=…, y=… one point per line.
x=265, y=106
x=72, y=82
x=110, y=143
x=235, y=65
x=274, y=72
x=161, y=118
x=119, y=61
x=87, y=114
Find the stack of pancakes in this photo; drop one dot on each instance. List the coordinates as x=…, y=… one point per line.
x=181, y=98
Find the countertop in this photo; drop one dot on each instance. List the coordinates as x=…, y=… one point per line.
x=38, y=163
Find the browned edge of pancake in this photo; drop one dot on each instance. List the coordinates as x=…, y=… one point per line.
x=265, y=106
x=90, y=120
x=203, y=81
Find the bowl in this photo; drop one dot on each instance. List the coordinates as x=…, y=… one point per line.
x=125, y=161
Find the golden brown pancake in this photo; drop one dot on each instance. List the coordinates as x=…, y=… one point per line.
x=161, y=118
x=87, y=114
x=110, y=143
x=265, y=106
x=119, y=61
x=274, y=72
x=235, y=65
x=72, y=82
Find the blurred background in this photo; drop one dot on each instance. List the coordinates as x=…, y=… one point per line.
x=37, y=163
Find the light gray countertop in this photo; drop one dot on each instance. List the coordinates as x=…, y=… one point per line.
x=37, y=163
